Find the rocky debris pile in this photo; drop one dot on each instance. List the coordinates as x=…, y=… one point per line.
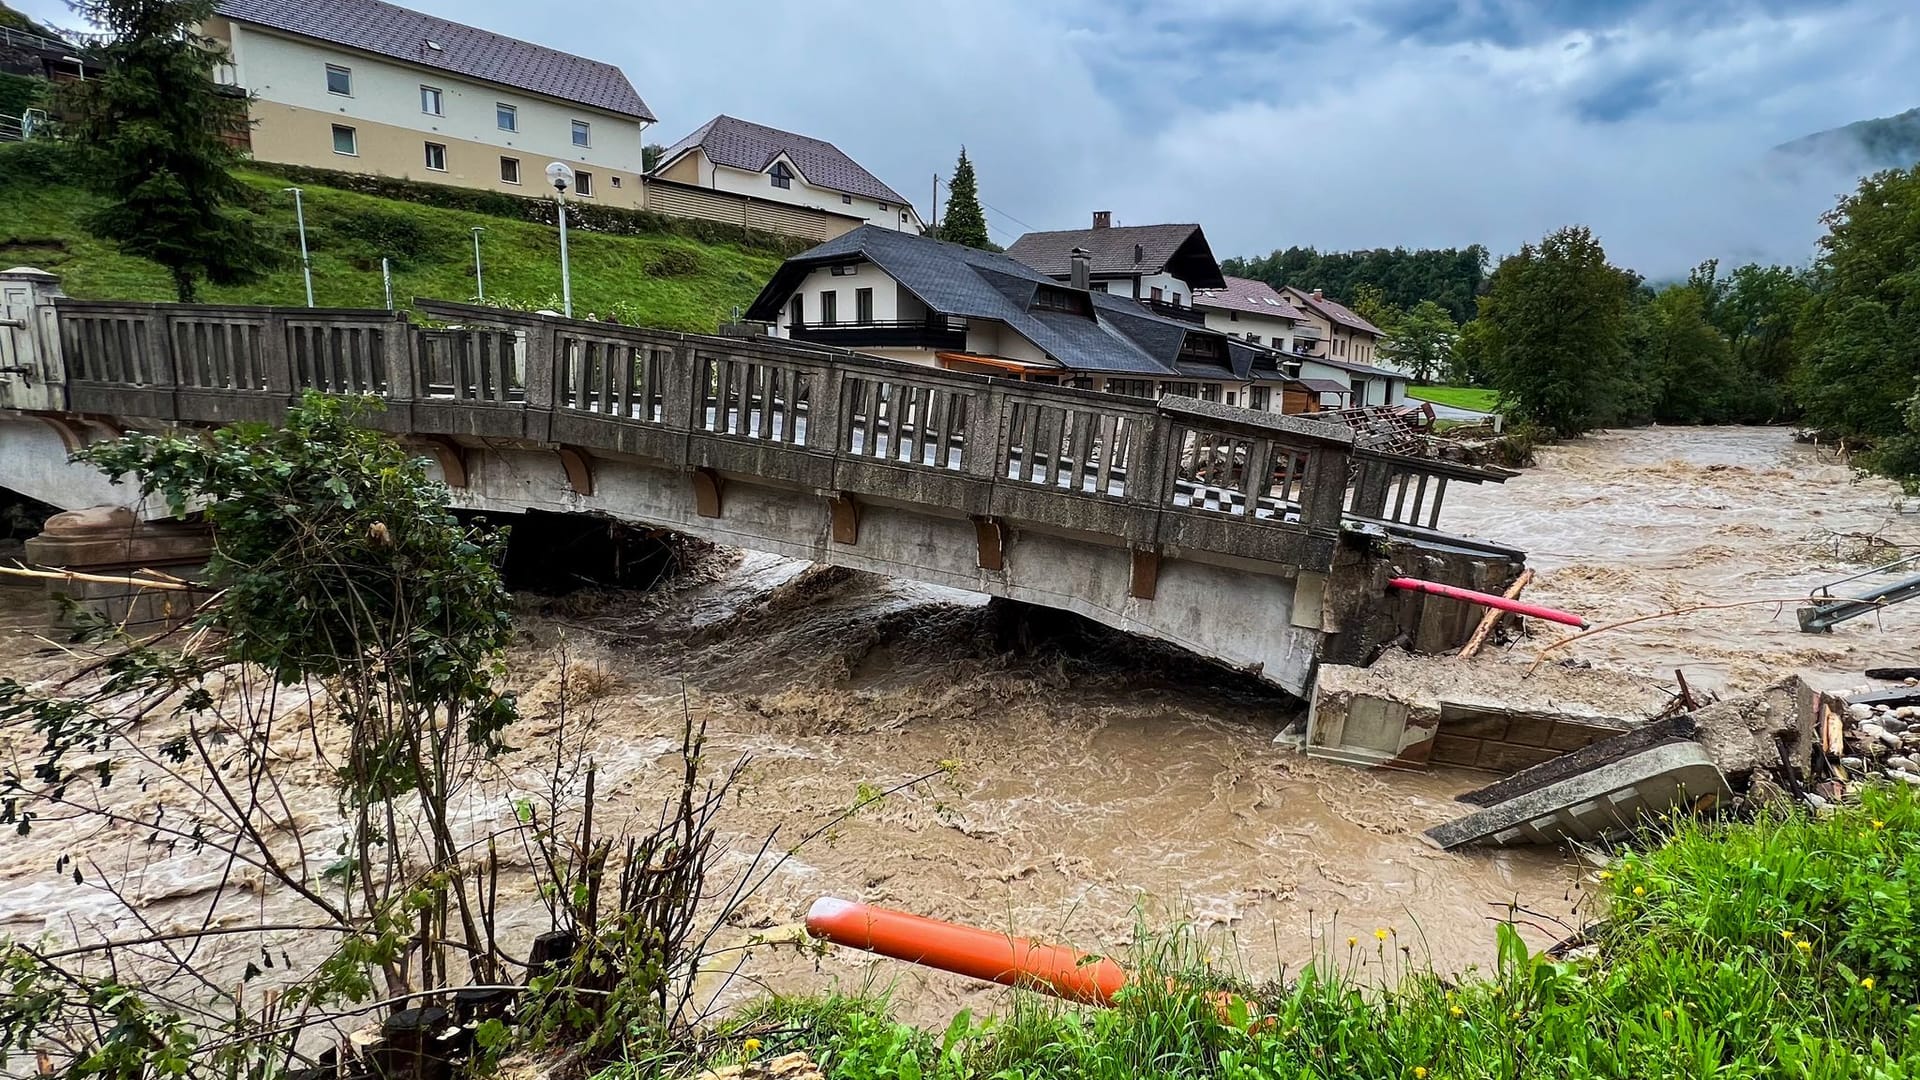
x=1882, y=737
x=795, y=1066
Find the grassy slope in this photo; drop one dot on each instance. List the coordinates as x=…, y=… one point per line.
x=1789, y=947
x=43, y=226
x=1460, y=397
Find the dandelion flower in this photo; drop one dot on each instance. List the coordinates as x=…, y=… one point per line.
x=1456, y=1012
x=1516, y=1014
x=1606, y=875
x=750, y=1047
x=1867, y=983
x=1380, y=935
x=1639, y=890
x=1879, y=824
x=1352, y=941
x=1788, y=934
x=1666, y=1014
x=1804, y=946
x=1419, y=1072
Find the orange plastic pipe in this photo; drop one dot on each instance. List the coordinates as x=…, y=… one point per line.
x=966, y=950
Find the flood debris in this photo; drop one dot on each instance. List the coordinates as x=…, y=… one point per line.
x=1596, y=802
x=1411, y=712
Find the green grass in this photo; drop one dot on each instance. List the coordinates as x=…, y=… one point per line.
x=1788, y=947
x=665, y=281
x=1460, y=397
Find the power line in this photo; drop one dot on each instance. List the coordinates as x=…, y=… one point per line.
x=990, y=206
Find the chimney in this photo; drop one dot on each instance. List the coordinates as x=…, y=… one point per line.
x=1103, y=219
x=1317, y=295
x=1082, y=261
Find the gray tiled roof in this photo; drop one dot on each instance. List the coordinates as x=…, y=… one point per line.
x=390, y=30
x=1178, y=249
x=1124, y=337
x=739, y=144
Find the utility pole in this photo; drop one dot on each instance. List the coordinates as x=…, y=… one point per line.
x=306, y=265
x=479, y=283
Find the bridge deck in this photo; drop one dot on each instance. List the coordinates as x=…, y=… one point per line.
x=726, y=421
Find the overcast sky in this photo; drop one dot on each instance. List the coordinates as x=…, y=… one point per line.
x=1337, y=123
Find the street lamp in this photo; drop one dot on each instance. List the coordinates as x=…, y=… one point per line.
x=561, y=177
x=479, y=283
x=306, y=265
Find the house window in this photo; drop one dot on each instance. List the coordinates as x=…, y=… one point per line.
x=1156, y=294
x=509, y=170
x=430, y=101
x=1233, y=316
x=583, y=184
x=884, y=208
x=1210, y=392
x=796, y=313
x=1253, y=339
x=1260, y=398
x=582, y=133
x=339, y=80
x=1130, y=387
x=863, y=305
x=436, y=157
x=847, y=200
x=616, y=181
x=1098, y=286
x=843, y=270
x=507, y=117
x=345, y=141
x=1359, y=392
x=1230, y=396
x=829, y=307
x=1176, y=299
x=781, y=176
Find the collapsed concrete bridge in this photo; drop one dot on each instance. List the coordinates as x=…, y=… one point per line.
x=1263, y=542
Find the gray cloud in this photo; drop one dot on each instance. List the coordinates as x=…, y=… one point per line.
x=1381, y=123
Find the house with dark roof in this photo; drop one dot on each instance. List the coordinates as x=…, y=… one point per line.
x=1158, y=265
x=729, y=154
x=371, y=87
x=1332, y=330
x=908, y=297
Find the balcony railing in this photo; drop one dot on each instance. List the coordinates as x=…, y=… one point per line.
x=940, y=334
x=1176, y=311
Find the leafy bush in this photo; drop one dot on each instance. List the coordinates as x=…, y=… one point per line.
x=374, y=232
x=675, y=262
x=18, y=93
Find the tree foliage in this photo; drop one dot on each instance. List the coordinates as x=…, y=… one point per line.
x=1554, y=333
x=965, y=222
x=1450, y=277
x=1421, y=341
x=154, y=129
x=1859, y=342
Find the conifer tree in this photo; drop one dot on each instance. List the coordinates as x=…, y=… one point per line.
x=154, y=134
x=965, y=223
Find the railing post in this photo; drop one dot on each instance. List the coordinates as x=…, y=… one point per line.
x=162, y=368
x=33, y=370
x=542, y=348
x=398, y=347
x=1323, y=489
x=988, y=437
x=680, y=388
x=276, y=359
x=824, y=410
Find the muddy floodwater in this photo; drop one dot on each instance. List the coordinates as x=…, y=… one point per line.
x=1093, y=782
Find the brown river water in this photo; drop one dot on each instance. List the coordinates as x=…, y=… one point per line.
x=1097, y=785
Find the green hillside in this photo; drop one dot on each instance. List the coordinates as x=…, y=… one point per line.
x=664, y=279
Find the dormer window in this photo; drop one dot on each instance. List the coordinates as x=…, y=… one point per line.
x=1047, y=298
x=781, y=176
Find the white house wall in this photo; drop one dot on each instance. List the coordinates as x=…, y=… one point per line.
x=1277, y=333
x=760, y=186
x=886, y=295
x=290, y=71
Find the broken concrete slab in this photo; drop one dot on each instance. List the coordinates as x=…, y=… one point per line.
x=1587, y=758
x=1410, y=711
x=1595, y=803
x=1762, y=730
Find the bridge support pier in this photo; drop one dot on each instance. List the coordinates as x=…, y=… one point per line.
x=110, y=541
